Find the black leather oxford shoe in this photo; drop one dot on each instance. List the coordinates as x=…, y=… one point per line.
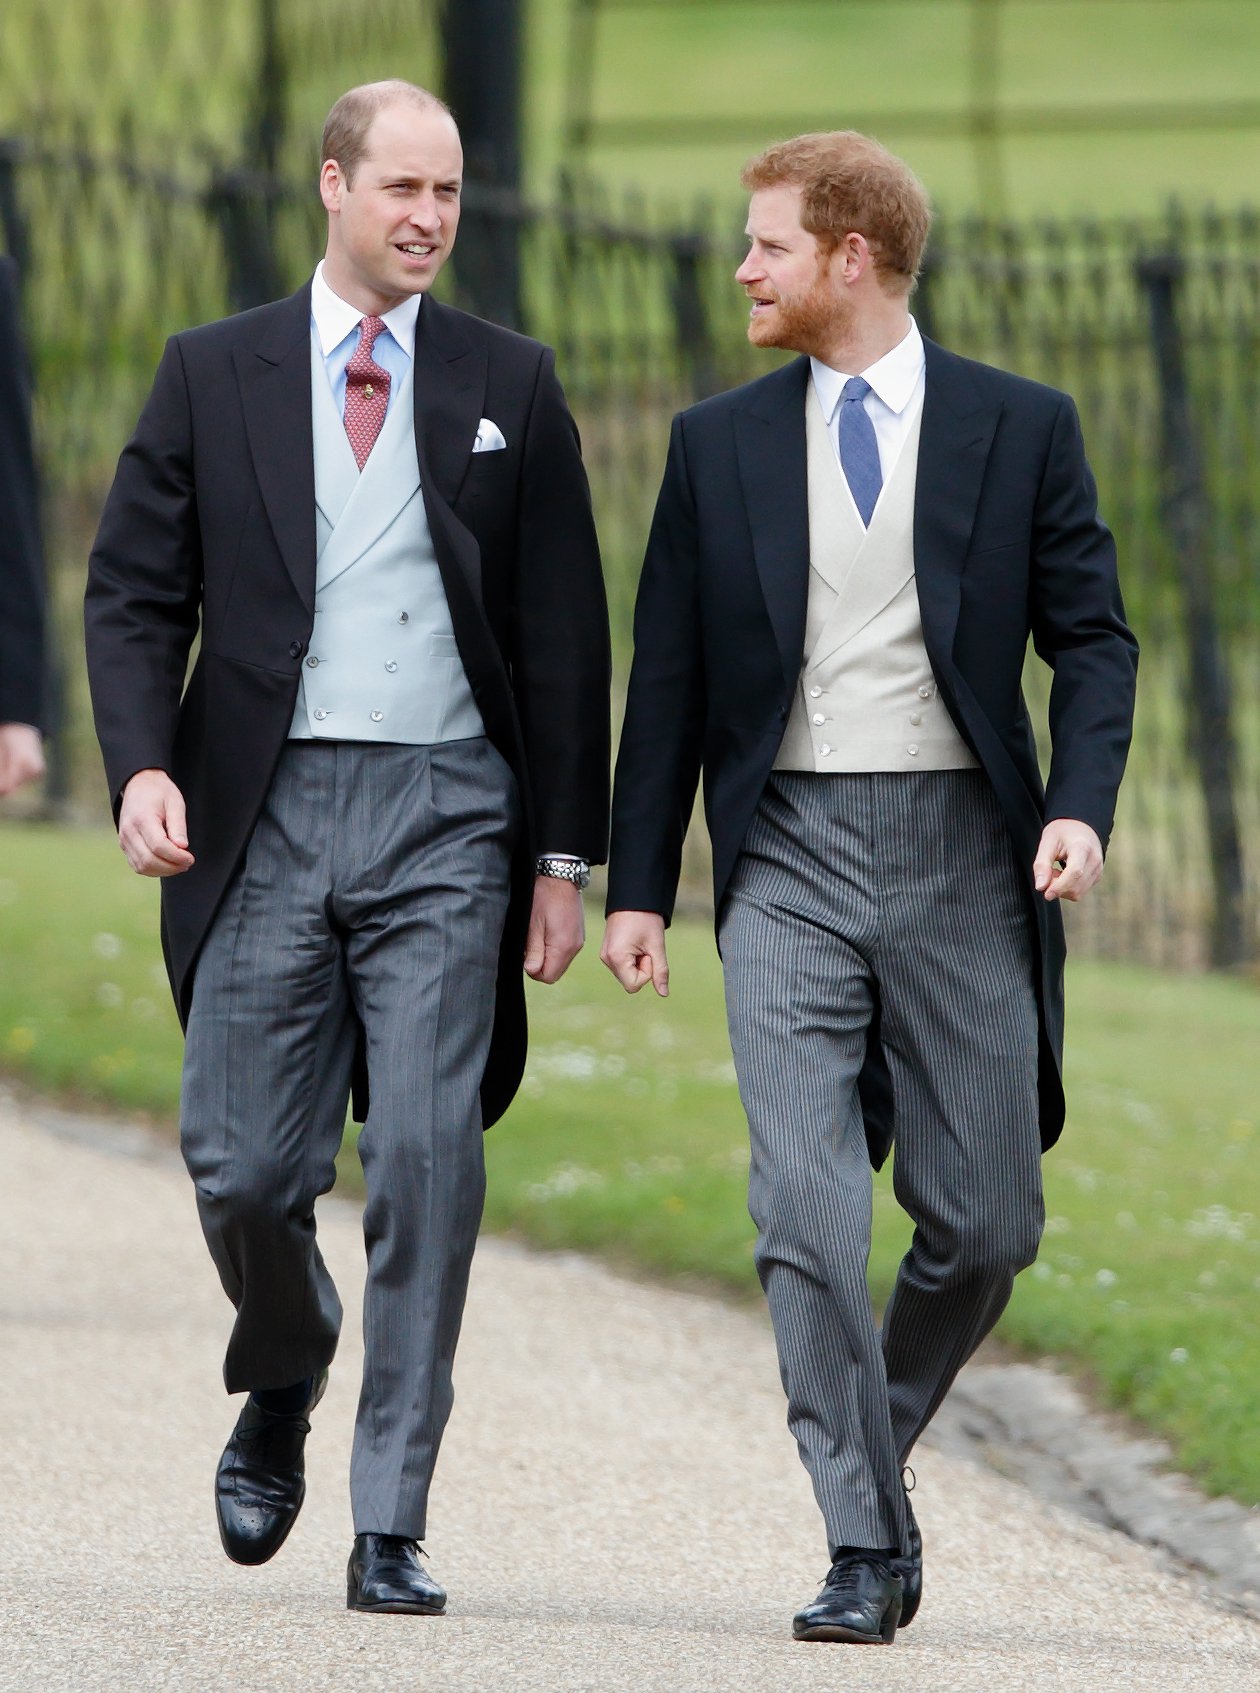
x=261, y=1480
x=860, y=1602
x=385, y=1574
x=909, y=1566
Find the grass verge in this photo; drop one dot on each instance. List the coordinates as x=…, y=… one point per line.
x=628, y=1139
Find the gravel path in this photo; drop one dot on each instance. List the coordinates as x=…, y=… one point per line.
x=618, y=1503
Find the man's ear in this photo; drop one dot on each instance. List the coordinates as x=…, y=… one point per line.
x=331, y=185
x=854, y=255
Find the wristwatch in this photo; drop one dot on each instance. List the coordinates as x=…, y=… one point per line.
x=575, y=870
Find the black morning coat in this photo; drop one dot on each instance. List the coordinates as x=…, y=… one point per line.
x=210, y=528
x=21, y=557
x=1007, y=544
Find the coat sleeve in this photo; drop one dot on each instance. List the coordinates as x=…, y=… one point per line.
x=662, y=741
x=21, y=556
x=144, y=586
x=560, y=650
x=1079, y=629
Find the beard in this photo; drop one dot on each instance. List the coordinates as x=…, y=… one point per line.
x=802, y=323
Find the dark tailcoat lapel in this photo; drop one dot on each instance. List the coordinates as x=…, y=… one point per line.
x=770, y=450
x=450, y=391
x=954, y=441
x=275, y=384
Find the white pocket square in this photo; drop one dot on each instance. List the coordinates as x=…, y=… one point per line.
x=489, y=437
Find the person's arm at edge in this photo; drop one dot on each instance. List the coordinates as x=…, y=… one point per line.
x=141, y=613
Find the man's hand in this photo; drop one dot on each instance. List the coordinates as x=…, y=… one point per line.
x=1076, y=848
x=152, y=829
x=557, y=928
x=21, y=756
x=634, y=950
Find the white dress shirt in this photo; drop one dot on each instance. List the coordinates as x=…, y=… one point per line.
x=893, y=403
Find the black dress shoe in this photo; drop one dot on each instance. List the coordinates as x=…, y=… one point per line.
x=385, y=1574
x=860, y=1602
x=909, y=1566
x=261, y=1480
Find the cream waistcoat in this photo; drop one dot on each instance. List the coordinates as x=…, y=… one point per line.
x=867, y=699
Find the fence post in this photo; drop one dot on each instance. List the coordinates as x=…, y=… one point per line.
x=482, y=50
x=693, y=336
x=270, y=93
x=239, y=201
x=1185, y=514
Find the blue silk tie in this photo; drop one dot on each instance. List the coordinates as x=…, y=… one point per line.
x=859, y=450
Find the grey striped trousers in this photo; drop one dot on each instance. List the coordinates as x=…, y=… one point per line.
x=897, y=895
x=373, y=893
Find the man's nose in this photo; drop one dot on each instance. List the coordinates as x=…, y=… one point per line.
x=424, y=213
x=747, y=272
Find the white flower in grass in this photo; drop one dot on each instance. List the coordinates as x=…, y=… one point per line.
x=109, y=996
x=1178, y=1355
x=564, y=1180
x=106, y=946
x=1106, y=1278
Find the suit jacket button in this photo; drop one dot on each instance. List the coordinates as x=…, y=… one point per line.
x=295, y=649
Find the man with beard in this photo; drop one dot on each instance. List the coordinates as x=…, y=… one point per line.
x=372, y=508
x=847, y=561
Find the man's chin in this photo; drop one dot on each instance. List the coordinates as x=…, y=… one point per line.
x=765, y=332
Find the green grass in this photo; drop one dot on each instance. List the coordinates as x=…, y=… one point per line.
x=800, y=65
x=628, y=1139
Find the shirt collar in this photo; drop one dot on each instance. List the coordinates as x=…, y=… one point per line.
x=334, y=317
x=894, y=379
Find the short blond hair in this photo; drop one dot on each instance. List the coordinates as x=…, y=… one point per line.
x=346, y=126
x=849, y=182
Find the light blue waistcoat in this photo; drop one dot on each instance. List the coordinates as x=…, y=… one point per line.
x=382, y=663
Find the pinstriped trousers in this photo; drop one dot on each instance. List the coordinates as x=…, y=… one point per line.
x=374, y=892
x=894, y=895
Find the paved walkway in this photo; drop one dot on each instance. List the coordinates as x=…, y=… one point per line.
x=618, y=1504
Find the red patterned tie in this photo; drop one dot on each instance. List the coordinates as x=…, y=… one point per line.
x=367, y=392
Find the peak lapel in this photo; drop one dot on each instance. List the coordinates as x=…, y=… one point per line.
x=450, y=390
x=770, y=449
x=956, y=435
x=274, y=376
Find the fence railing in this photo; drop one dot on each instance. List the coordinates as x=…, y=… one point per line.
x=1154, y=327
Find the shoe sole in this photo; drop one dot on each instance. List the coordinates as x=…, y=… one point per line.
x=397, y=1608
x=849, y=1636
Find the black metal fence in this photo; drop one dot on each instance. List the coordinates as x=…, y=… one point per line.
x=1155, y=328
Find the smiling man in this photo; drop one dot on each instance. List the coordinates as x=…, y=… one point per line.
x=848, y=559
x=372, y=509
